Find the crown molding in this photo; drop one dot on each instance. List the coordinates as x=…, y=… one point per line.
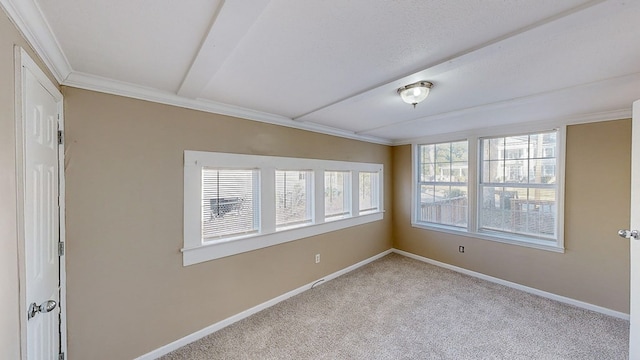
x=114, y=87
x=28, y=18
x=31, y=23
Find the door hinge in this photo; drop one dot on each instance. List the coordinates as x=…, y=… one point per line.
x=61, y=356
x=60, y=248
x=60, y=137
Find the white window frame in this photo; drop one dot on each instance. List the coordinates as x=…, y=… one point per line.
x=195, y=250
x=474, y=137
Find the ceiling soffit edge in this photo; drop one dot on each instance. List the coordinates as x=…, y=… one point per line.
x=104, y=85
x=28, y=18
x=525, y=126
x=109, y=86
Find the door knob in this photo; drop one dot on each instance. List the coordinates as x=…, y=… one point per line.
x=628, y=234
x=45, y=307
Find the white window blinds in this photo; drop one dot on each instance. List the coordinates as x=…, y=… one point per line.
x=229, y=206
x=235, y=203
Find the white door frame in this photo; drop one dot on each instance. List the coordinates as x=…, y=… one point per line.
x=634, y=246
x=24, y=61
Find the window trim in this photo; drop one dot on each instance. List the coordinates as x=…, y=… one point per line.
x=474, y=137
x=195, y=250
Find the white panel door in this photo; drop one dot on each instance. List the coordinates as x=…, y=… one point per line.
x=634, y=336
x=40, y=119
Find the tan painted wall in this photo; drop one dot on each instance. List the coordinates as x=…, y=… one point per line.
x=128, y=292
x=9, y=297
x=595, y=266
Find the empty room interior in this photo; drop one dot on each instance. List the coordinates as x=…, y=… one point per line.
x=219, y=159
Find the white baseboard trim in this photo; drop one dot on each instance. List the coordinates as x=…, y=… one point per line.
x=552, y=296
x=235, y=318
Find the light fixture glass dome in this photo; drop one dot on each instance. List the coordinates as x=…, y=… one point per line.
x=415, y=93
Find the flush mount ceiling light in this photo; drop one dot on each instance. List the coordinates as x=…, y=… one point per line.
x=415, y=93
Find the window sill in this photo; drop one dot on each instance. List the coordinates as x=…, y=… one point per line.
x=228, y=247
x=505, y=239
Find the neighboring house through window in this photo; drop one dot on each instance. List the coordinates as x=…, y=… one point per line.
x=503, y=188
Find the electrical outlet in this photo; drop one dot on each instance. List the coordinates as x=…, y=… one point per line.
x=317, y=258
x=461, y=249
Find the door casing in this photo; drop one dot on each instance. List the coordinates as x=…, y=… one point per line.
x=22, y=61
x=634, y=245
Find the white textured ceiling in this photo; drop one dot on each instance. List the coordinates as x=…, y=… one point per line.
x=334, y=66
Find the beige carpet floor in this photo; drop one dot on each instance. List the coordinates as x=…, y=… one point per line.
x=400, y=308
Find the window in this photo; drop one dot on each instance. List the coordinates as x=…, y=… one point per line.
x=228, y=203
x=294, y=197
x=337, y=197
x=368, y=194
x=236, y=203
x=502, y=188
x=519, y=192
x=442, y=183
